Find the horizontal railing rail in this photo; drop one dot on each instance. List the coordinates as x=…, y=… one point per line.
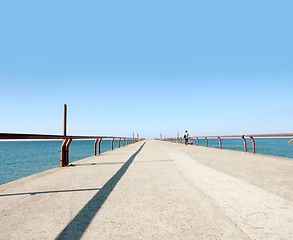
x=45, y=136
x=251, y=136
x=67, y=141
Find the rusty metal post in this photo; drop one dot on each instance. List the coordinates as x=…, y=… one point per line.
x=63, y=153
x=67, y=151
x=220, y=142
x=95, y=146
x=64, y=119
x=206, y=141
x=197, y=141
x=123, y=142
x=112, y=146
x=245, y=146
x=253, y=144
x=119, y=142
x=99, y=146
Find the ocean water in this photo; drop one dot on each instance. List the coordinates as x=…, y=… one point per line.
x=19, y=159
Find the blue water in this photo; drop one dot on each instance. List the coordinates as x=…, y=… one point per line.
x=19, y=159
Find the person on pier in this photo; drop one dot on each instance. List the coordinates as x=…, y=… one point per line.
x=186, y=135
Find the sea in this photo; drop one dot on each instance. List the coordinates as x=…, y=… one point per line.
x=19, y=159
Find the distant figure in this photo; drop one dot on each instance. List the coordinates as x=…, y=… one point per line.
x=186, y=135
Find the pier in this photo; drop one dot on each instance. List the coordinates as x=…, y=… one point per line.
x=154, y=190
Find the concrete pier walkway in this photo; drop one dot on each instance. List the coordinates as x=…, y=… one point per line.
x=154, y=190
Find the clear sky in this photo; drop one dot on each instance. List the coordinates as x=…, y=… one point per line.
x=149, y=67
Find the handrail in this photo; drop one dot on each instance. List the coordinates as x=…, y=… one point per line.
x=270, y=135
x=225, y=136
x=251, y=136
x=45, y=136
x=67, y=141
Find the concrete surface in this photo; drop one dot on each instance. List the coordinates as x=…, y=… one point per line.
x=154, y=190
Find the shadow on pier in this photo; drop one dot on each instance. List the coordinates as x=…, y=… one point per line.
x=76, y=228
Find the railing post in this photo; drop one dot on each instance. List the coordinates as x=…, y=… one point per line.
x=63, y=153
x=197, y=141
x=95, y=147
x=99, y=146
x=112, y=146
x=64, y=119
x=220, y=142
x=206, y=141
x=244, y=140
x=67, y=151
x=123, y=142
x=253, y=144
x=119, y=142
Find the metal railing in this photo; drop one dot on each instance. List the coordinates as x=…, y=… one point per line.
x=67, y=141
x=251, y=136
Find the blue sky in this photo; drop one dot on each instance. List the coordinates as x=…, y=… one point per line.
x=212, y=67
